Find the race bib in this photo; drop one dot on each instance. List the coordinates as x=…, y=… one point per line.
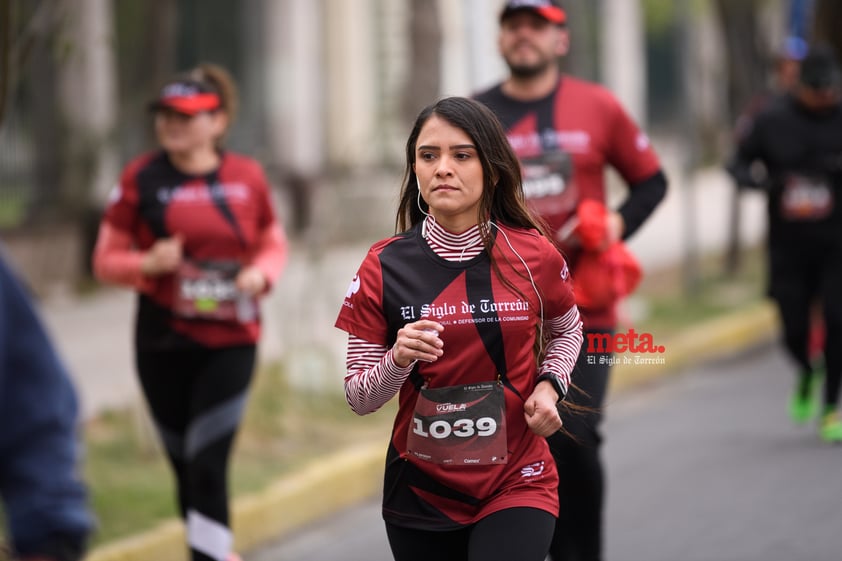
x=460, y=425
x=548, y=183
x=806, y=198
x=208, y=290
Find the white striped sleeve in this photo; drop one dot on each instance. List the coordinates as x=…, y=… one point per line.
x=563, y=347
x=372, y=377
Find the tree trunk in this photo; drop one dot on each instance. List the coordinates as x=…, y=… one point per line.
x=425, y=38
x=748, y=66
x=745, y=52
x=88, y=92
x=45, y=120
x=160, y=53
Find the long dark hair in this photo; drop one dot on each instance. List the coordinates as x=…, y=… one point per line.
x=502, y=195
x=502, y=200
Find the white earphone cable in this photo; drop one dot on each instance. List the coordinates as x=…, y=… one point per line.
x=424, y=212
x=531, y=279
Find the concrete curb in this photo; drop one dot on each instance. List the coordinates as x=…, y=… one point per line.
x=320, y=488
x=348, y=476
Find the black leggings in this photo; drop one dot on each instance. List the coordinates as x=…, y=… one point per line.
x=515, y=533
x=197, y=398
x=799, y=278
x=581, y=487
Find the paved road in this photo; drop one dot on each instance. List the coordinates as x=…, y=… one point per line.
x=702, y=467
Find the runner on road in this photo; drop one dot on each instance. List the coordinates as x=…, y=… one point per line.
x=467, y=313
x=799, y=142
x=192, y=229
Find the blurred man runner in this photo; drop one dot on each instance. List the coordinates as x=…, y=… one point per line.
x=565, y=132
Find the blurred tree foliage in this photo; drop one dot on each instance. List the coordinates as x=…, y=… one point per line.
x=156, y=38
x=747, y=56
x=28, y=102
x=153, y=39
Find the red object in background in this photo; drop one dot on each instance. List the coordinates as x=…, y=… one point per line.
x=592, y=229
x=601, y=278
x=602, y=275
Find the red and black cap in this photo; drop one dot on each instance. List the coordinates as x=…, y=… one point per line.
x=547, y=9
x=187, y=97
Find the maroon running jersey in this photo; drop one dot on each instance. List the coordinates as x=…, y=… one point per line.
x=221, y=217
x=489, y=335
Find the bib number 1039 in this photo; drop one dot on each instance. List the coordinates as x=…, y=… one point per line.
x=459, y=425
x=465, y=428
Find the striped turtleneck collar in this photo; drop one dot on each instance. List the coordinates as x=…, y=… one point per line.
x=450, y=246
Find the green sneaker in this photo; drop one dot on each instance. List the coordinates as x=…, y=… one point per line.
x=804, y=403
x=831, y=427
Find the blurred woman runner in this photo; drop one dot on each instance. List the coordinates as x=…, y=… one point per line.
x=191, y=227
x=468, y=314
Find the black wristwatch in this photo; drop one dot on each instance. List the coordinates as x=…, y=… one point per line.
x=556, y=382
